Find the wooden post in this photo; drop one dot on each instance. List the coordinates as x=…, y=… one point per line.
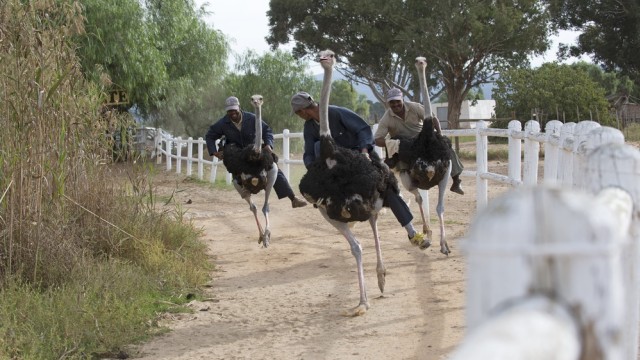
x=581, y=133
x=200, y=158
x=565, y=157
x=554, y=242
x=618, y=165
x=189, y=155
x=551, y=151
x=481, y=165
x=286, y=154
x=515, y=151
x=531, y=153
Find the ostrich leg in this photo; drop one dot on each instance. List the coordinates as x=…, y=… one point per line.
x=271, y=179
x=356, y=250
x=380, y=269
x=442, y=187
x=407, y=182
x=246, y=195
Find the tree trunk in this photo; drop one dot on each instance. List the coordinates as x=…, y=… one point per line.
x=453, y=108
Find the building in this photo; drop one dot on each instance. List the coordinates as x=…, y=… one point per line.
x=469, y=114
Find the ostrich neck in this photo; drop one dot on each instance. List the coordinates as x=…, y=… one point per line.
x=258, y=140
x=324, y=102
x=425, y=92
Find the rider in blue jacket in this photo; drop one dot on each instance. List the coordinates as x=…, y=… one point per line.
x=238, y=127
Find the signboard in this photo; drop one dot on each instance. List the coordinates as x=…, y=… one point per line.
x=117, y=97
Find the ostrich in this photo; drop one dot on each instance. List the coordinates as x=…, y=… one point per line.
x=429, y=159
x=254, y=169
x=346, y=186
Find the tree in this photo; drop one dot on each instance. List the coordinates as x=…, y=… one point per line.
x=613, y=83
x=552, y=91
x=276, y=76
x=343, y=94
x=161, y=54
x=465, y=41
x=610, y=32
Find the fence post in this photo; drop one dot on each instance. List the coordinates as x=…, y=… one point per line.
x=531, y=153
x=482, y=165
x=544, y=241
x=189, y=155
x=157, y=147
x=618, y=165
x=581, y=133
x=179, y=156
x=515, y=151
x=286, y=153
x=167, y=148
x=552, y=130
x=565, y=157
x=200, y=158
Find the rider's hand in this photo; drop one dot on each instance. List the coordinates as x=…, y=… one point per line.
x=219, y=155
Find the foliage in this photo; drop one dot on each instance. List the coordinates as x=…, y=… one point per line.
x=343, y=94
x=276, y=76
x=614, y=83
x=552, y=91
x=473, y=95
x=84, y=259
x=610, y=32
x=464, y=41
x=162, y=54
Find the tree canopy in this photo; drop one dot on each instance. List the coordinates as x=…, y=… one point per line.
x=610, y=32
x=161, y=52
x=276, y=76
x=465, y=41
x=552, y=91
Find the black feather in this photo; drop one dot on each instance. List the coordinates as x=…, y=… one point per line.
x=246, y=164
x=427, y=149
x=354, y=184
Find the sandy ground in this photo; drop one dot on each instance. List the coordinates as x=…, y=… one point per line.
x=285, y=302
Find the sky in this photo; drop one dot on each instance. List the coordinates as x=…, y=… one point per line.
x=245, y=23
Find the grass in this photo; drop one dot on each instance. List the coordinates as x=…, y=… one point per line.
x=632, y=132
x=86, y=263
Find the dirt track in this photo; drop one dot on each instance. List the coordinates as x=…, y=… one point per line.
x=285, y=302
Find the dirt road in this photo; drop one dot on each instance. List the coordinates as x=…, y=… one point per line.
x=285, y=302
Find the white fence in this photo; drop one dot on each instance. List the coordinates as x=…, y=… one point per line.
x=552, y=266
x=562, y=155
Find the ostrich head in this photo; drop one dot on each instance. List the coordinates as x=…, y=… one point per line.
x=421, y=63
x=256, y=101
x=327, y=59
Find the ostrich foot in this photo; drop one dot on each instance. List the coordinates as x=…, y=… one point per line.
x=382, y=273
x=444, y=248
x=356, y=311
x=419, y=239
x=264, y=238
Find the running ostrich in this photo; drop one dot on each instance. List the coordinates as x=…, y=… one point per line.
x=255, y=170
x=347, y=186
x=429, y=159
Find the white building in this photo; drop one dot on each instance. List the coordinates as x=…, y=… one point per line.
x=469, y=114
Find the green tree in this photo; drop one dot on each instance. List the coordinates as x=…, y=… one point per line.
x=552, y=91
x=613, y=83
x=610, y=32
x=161, y=52
x=343, y=94
x=276, y=76
x=465, y=41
